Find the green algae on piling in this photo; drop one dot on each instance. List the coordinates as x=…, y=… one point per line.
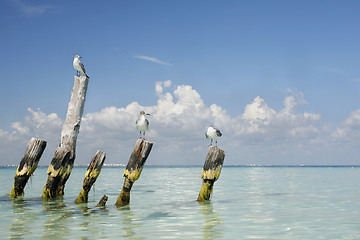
x=133, y=170
x=92, y=173
x=27, y=166
x=211, y=172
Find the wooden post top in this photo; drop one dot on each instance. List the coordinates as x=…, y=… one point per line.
x=214, y=158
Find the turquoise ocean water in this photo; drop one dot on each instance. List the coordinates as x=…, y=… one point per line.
x=247, y=203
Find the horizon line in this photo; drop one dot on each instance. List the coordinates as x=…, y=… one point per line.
x=197, y=165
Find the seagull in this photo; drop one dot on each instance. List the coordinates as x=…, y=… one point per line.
x=79, y=66
x=142, y=124
x=213, y=133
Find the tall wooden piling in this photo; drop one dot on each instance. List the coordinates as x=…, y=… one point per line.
x=62, y=163
x=133, y=170
x=27, y=166
x=211, y=172
x=91, y=175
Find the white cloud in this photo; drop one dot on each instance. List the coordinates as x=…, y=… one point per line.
x=159, y=86
x=180, y=117
x=20, y=128
x=177, y=126
x=152, y=59
x=167, y=83
x=257, y=115
x=35, y=124
x=337, y=70
x=30, y=10
x=349, y=128
x=38, y=124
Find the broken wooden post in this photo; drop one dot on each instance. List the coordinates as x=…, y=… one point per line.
x=133, y=169
x=102, y=201
x=211, y=172
x=91, y=175
x=63, y=161
x=27, y=166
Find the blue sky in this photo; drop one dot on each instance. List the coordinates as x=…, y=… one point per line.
x=281, y=79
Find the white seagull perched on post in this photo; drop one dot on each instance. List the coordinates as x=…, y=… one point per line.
x=213, y=133
x=79, y=66
x=142, y=124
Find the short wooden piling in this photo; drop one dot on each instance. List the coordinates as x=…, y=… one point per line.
x=211, y=172
x=133, y=170
x=102, y=201
x=91, y=175
x=62, y=163
x=27, y=166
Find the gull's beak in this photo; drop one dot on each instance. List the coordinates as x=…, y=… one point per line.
x=147, y=114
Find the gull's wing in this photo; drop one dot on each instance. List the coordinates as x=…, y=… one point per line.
x=82, y=67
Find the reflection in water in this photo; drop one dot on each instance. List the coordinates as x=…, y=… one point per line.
x=58, y=223
x=19, y=227
x=80, y=220
x=130, y=224
x=89, y=222
x=53, y=205
x=211, y=229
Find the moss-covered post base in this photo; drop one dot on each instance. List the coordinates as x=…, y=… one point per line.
x=124, y=196
x=206, y=190
x=27, y=166
x=56, y=170
x=133, y=169
x=92, y=173
x=102, y=201
x=211, y=172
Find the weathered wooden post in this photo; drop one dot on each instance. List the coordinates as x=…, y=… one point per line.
x=91, y=175
x=27, y=166
x=102, y=201
x=211, y=172
x=133, y=169
x=63, y=161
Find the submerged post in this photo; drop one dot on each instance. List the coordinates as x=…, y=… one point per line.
x=102, y=201
x=91, y=175
x=211, y=172
x=27, y=166
x=63, y=161
x=133, y=169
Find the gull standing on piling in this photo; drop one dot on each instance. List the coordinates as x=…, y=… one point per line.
x=142, y=124
x=213, y=134
x=79, y=66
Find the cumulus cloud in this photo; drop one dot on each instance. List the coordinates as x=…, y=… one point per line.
x=180, y=117
x=38, y=124
x=259, y=121
x=349, y=128
x=178, y=122
x=175, y=115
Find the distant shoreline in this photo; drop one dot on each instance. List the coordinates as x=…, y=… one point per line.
x=225, y=166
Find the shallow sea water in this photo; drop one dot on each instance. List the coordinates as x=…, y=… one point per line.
x=247, y=203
